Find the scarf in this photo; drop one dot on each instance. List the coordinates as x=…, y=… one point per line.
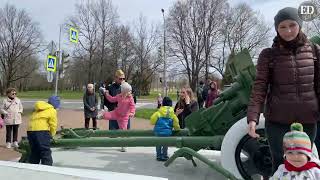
x=305, y=167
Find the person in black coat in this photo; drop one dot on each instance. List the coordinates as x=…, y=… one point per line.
x=90, y=102
x=115, y=89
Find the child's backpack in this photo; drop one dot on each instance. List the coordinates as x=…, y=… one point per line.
x=164, y=125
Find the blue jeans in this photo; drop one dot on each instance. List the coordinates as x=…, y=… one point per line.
x=162, y=152
x=113, y=125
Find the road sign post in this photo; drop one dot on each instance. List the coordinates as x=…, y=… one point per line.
x=51, y=63
x=50, y=76
x=74, y=34
x=52, y=48
x=74, y=37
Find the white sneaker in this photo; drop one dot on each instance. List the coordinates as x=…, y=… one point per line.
x=8, y=145
x=15, y=144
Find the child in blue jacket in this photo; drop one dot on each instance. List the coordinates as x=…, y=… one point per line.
x=164, y=120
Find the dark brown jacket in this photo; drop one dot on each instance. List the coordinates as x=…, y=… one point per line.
x=291, y=96
x=187, y=110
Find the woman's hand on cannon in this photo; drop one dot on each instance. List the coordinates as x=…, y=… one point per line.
x=252, y=129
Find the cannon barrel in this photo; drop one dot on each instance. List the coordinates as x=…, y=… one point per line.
x=80, y=133
x=192, y=142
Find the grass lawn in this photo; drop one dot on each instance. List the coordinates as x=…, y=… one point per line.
x=46, y=94
x=154, y=94
x=144, y=113
x=78, y=95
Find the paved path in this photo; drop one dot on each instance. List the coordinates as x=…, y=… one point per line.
x=137, y=160
x=78, y=104
x=18, y=171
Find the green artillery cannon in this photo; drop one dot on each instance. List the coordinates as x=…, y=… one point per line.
x=221, y=127
x=205, y=128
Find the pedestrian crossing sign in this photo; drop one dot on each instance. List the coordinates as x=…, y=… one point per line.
x=74, y=35
x=51, y=63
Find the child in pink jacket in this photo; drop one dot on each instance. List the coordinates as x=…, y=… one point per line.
x=125, y=108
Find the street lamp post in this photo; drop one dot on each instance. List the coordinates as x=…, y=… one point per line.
x=164, y=55
x=58, y=64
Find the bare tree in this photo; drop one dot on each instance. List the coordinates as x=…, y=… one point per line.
x=75, y=74
x=242, y=28
x=25, y=68
x=127, y=62
x=145, y=42
x=193, y=27
x=316, y=21
x=106, y=17
x=88, y=27
x=212, y=21
x=20, y=38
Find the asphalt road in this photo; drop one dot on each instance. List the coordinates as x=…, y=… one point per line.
x=78, y=104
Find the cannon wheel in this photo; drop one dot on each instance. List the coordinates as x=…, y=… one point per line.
x=244, y=156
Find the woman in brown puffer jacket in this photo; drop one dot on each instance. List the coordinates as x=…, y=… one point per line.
x=285, y=79
x=212, y=94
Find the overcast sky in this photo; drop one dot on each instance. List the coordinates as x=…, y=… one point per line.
x=50, y=13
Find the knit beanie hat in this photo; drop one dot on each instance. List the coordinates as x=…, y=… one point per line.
x=54, y=101
x=288, y=13
x=166, y=101
x=297, y=141
x=126, y=87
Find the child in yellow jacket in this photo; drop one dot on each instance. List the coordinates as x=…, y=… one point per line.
x=42, y=127
x=164, y=120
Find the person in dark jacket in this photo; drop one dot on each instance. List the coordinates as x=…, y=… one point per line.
x=285, y=80
x=103, y=85
x=212, y=94
x=115, y=89
x=90, y=102
x=185, y=105
x=206, y=89
x=199, y=94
